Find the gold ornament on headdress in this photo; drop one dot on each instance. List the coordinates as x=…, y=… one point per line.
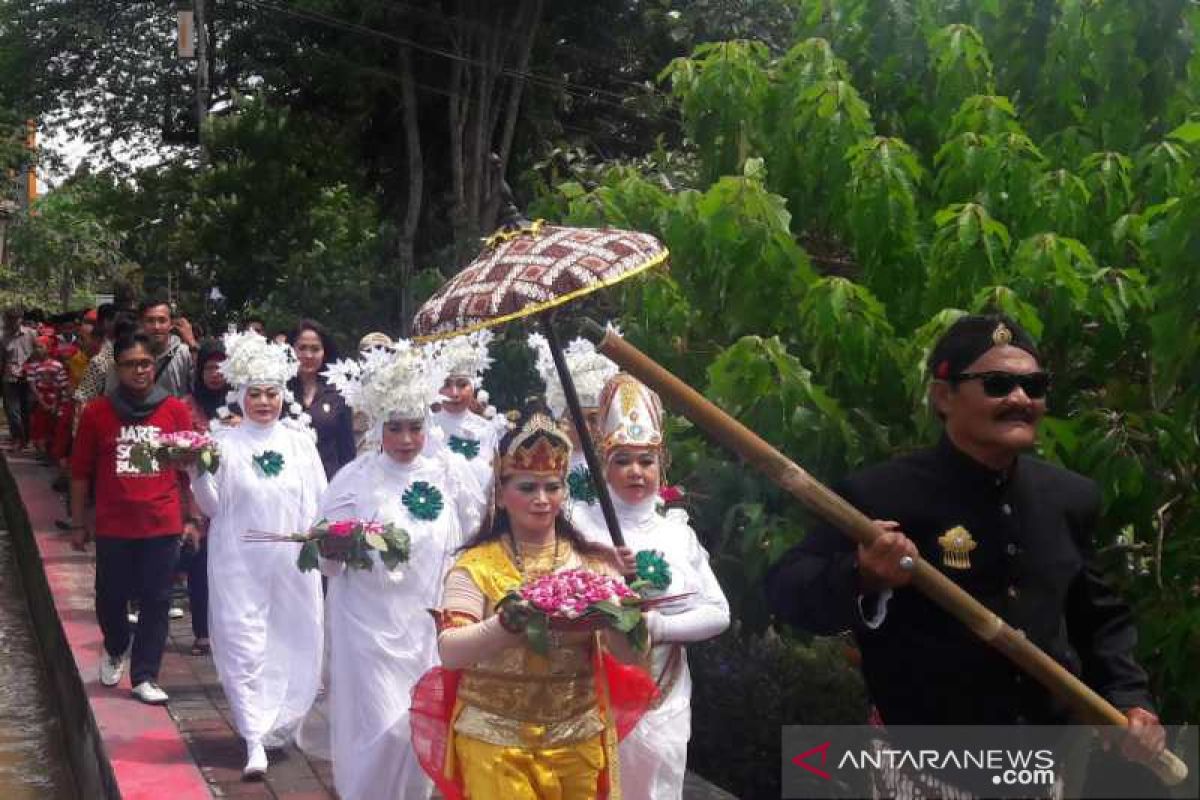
x=957, y=544
x=630, y=415
x=1002, y=335
x=539, y=448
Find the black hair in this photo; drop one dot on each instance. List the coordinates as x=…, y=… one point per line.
x=128, y=341
x=209, y=400
x=124, y=323
x=499, y=525
x=327, y=342
x=153, y=300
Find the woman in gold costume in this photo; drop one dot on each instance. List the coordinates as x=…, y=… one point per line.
x=500, y=721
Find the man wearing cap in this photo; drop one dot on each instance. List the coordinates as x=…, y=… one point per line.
x=1013, y=531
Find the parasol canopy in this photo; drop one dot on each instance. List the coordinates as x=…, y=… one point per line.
x=527, y=268
x=532, y=268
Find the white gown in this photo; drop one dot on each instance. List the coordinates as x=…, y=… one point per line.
x=653, y=757
x=264, y=614
x=381, y=637
x=462, y=433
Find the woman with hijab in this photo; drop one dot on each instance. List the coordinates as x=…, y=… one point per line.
x=208, y=403
x=266, y=615
x=380, y=637
x=590, y=372
x=654, y=755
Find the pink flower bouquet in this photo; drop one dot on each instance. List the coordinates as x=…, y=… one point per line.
x=575, y=600
x=349, y=541
x=177, y=450
x=571, y=593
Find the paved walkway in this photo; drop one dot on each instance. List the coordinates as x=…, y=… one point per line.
x=172, y=754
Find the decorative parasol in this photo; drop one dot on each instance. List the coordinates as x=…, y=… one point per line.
x=532, y=268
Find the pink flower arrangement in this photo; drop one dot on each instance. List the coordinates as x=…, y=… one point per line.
x=349, y=541
x=571, y=593
x=342, y=528
x=178, y=449
x=671, y=494
x=186, y=440
x=576, y=600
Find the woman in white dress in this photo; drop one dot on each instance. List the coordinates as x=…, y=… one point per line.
x=653, y=757
x=590, y=372
x=380, y=634
x=462, y=431
x=265, y=615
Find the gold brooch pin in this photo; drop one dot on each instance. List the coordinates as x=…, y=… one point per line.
x=957, y=545
x=1002, y=335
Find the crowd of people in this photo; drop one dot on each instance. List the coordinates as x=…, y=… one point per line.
x=429, y=674
x=400, y=435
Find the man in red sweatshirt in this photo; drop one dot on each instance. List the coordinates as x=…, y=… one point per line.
x=139, y=515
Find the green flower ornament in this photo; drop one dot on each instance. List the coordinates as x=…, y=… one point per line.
x=423, y=501
x=652, y=569
x=579, y=481
x=467, y=448
x=269, y=463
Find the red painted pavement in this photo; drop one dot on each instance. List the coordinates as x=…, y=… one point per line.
x=185, y=751
x=148, y=754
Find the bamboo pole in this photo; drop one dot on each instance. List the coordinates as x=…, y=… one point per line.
x=1088, y=706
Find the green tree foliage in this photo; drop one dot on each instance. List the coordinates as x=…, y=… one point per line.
x=900, y=164
x=61, y=247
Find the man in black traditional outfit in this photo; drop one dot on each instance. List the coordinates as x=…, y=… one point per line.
x=1012, y=530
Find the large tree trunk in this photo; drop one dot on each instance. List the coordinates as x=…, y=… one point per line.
x=65, y=289
x=416, y=189
x=493, y=58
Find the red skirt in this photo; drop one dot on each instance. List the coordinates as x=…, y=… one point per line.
x=60, y=447
x=41, y=425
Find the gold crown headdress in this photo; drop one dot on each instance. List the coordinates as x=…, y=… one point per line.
x=539, y=447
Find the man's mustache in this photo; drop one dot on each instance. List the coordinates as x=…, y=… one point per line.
x=1017, y=415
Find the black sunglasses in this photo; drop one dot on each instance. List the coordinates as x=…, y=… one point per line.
x=1001, y=384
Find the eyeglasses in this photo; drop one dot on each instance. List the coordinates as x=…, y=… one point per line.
x=1001, y=384
x=135, y=365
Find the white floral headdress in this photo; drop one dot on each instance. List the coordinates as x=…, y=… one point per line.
x=467, y=355
x=400, y=381
x=589, y=370
x=251, y=360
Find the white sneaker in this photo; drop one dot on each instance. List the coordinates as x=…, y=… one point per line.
x=132, y=616
x=150, y=693
x=112, y=668
x=256, y=762
x=175, y=613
